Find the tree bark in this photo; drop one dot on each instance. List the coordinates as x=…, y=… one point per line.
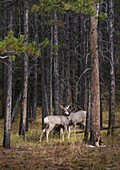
x=100, y=63
x=73, y=56
x=8, y=102
x=87, y=129
x=25, y=83
x=4, y=33
x=56, y=68
x=45, y=110
x=112, y=74
x=81, y=66
x=62, y=65
x=67, y=62
x=51, y=62
x=95, y=92
x=7, y=124
x=34, y=106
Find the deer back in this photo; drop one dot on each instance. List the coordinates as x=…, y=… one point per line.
x=55, y=119
x=78, y=116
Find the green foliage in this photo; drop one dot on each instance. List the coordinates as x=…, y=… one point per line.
x=35, y=8
x=83, y=6
x=102, y=16
x=13, y=46
x=30, y=49
x=44, y=43
x=12, y=57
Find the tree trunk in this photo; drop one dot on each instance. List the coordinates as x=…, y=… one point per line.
x=4, y=33
x=95, y=92
x=47, y=70
x=86, y=135
x=73, y=58
x=25, y=83
x=100, y=63
x=51, y=60
x=28, y=104
x=112, y=74
x=8, y=102
x=67, y=62
x=56, y=68
x=81, y=66
x=62, y=65
x=45, y=111
x=34, y=105
x=7, y=124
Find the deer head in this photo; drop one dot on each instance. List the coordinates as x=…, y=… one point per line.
x=65, y=109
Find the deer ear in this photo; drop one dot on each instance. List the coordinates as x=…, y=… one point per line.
x=68, y=107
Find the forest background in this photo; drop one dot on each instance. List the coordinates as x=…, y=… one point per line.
x=46, y=58
x=54, y=53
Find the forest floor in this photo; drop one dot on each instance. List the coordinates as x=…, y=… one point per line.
x=58, y=155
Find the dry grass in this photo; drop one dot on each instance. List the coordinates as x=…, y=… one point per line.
x=73, y=154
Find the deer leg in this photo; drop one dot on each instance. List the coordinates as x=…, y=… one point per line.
x=74, y=129
x=84, y=123
x=48, y=131
x=66, y=129
x=42, y=134
x=62, y=133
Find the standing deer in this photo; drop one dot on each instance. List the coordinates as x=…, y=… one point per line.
x=55, y=120
x=75, y=118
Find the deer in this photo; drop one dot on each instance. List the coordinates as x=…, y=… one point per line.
x=74, y=117
x=52, y=121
